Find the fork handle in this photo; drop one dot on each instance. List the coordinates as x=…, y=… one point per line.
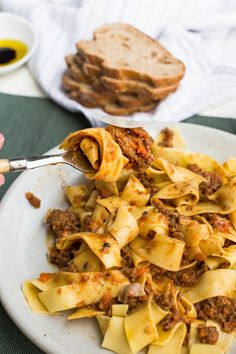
x=12, y=165
x=4, y=165
x=21, y=164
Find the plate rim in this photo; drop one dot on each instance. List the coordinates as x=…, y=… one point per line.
x=48, y=344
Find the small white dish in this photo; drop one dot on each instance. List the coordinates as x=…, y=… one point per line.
x=17, y=28
x=23, y=245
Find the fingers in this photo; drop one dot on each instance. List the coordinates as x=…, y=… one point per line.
x=1, y=140
x=2, y=180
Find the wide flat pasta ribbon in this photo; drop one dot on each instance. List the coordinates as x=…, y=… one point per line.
x=173, y=345
x=31, y=295
x=103, y=322
x=152, y=220
x=218, y=282
x=194, y=233
x=182, y=158
x=87, y=290
x=212, y=245
x=54, y=292
x=200, y=348
x=115, y=338
x=135, y=193
x=84, y=312
x=112, y=203
x=77, y=195
x=227, y=256
x=103, y=153
x=176, y=173
x=105, y=247
x=140, y=325
x=85, y=260
x=230, y=167
x=163, y=251
x=124, y=228
x=182, y=193
x=223, y=201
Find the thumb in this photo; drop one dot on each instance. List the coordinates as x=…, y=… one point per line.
x=1, y=140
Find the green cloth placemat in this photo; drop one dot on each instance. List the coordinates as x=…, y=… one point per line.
x=31, y=127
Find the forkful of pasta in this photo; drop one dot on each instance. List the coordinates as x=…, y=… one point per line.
x=91, y=151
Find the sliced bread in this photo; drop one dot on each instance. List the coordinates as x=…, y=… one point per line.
x=124, y=52
x=96, y=98
x=122, y=86
x=143, y=89
x=76, y=72
x=112, y=108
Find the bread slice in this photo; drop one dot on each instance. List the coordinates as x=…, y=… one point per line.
x=116, y=110
x=124, y=52
x=143, y=89
x=77, y=73
x=122, y=86
x=96, y=98
x=91, y=70
x=92, y=97
x=112, y=108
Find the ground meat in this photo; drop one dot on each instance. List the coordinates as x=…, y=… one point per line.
x=148, y=183
x=208, y=335
x=60, y=257
x=33, y=200
x=228, y=243
x=200, y=257
x=62, y=222
x=171, y=319
x=135, y=301
x=132, y=273
x=135, y=144
x=105, y=302
x=220, y=309
x=186, y=338
x=218, y=222
x=185, y=277
x=126, y=258
x=168, y=136
x=128, y=268
x=167, y=301
x=87, y=221
x=214, y=181
x=133, y=294
x=163, y=300
x=179, y=235
x=172, y=216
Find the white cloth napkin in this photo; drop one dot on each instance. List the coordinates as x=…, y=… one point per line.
x=201, y=33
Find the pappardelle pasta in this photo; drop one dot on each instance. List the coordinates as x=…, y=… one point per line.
x=147, y=246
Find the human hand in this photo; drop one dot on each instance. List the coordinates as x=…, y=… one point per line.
x=2, y=179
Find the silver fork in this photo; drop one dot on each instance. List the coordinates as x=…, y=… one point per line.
x=75, y=159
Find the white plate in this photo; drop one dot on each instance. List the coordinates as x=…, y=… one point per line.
x=23, y=246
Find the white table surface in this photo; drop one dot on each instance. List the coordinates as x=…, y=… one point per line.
x=21, y=82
